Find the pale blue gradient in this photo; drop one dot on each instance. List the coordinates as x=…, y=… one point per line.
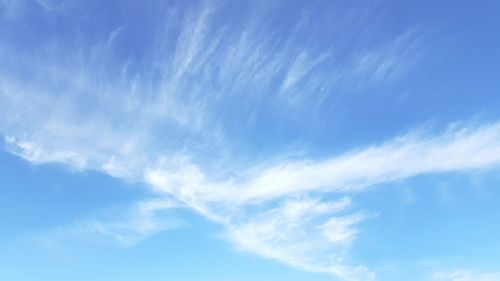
x=249, y=140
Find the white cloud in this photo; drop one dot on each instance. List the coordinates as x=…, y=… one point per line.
x=301, y=66
x=296, y=232
x=89, y=113
x=245, y=204
x=50, y=5
x=407, y=156
x=390, y=61
x=144, y=220
x=304, y=233
x=125, y=226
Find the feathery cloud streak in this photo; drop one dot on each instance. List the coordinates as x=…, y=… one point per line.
x=154, y=119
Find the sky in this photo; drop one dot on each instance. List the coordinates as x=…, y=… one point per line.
x=249, y=140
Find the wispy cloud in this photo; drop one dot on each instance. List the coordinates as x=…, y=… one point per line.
x=50, y=5
x=125, y=226
x=304, y=233
x=155, y=118
x=300, y=68
x=392, y=60
x=247, y=205
x=459, y=149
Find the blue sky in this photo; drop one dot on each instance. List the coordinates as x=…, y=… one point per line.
x=249, y=140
